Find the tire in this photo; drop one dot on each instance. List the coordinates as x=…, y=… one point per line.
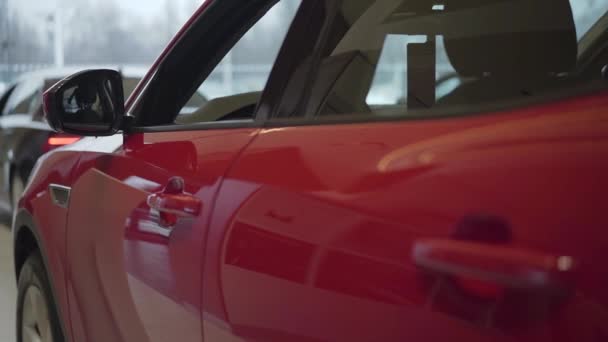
x=17, y=187
x=34, y=292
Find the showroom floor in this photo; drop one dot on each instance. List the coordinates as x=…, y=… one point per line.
x=7, y=287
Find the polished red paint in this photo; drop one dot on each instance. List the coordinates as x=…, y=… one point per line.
x=482, y=228
x=139, y=274
x=315, y=231
x=58, y=168
x=55, y=168
x=480, y=288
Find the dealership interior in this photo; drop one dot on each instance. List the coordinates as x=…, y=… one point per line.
x=303, y=170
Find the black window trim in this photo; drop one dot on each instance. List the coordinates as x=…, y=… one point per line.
x=201, y=126
x=199, y=25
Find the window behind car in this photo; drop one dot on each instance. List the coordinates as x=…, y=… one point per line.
x=232, y=90
x=400, y=58
x=23, y=97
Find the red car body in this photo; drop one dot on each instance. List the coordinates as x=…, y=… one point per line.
x=481, y=228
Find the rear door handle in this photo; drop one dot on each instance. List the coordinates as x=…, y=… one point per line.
x=509, y=267
x=173, y=202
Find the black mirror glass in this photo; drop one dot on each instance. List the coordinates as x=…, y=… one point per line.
x=88, y=103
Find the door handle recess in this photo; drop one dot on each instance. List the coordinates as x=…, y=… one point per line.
x=509, y=267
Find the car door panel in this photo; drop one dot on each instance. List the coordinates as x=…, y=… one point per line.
x=317, y=230
x=136, y=278
x=50, y=220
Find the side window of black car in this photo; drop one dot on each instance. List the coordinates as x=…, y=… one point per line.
x=23, y=97
x=4, y=99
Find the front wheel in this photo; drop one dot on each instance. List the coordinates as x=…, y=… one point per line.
x=37, y=318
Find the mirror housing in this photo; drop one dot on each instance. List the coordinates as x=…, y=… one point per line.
x=88, y=103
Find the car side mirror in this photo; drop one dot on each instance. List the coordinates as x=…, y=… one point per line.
x=88, y=103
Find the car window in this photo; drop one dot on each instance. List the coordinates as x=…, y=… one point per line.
x=4, y=99
x=233, y=89
x=586, y=14
x=390, y=85
x=394, y=58
x=128, y=84
x=23, y=98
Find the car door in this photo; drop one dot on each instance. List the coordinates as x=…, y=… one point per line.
x=372, y=218
x=140, y=204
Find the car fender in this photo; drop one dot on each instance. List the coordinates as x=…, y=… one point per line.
x=23, y=223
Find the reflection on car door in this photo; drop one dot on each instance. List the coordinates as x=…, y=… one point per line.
x=134, y=259
x=376, y=231
x=468, y=228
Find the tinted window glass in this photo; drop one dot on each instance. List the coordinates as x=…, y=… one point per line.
x=129, y=84
x=4, y=98
x=22, y=100
x=390, y=58
x=232, y=90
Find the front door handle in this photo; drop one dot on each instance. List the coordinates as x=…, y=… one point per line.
x=508, y=267
x=173, y=202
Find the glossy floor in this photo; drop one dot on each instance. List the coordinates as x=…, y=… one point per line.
x=7, y=287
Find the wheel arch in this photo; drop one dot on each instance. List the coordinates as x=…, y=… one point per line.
x=22, y=168
x=26, y=240
x=25, y=244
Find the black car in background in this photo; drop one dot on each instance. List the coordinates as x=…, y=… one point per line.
x=24, y=134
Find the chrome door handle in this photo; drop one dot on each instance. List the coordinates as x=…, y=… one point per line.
x=173, y=202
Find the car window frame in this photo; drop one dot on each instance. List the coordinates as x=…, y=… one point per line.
x=278, y=119
x=5, y=97
x=201, y=27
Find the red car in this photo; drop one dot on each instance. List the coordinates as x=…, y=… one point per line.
x=337, y=195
